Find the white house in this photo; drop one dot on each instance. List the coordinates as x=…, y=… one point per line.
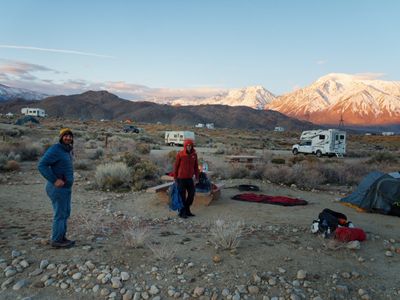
x=200, y=125
x=36, y=112
x=279, y=129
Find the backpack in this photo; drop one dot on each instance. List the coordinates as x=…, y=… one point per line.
x=328, y=221
x=204, y=184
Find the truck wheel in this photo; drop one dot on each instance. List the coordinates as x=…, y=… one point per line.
x=318, y=153
x=295, y=151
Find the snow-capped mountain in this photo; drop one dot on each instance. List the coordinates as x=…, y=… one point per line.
x=354, y=98
x=7, y=93
x=255, y=97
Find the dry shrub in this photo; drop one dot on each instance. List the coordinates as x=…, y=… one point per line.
x=82, y=164
x=296, y=159
x=11, y=165
x=383, y=157
x=98, y=153
x=143, y=148
x=171, y=156
x=257, y=172
x=112, y=176
x=306, y=177
x=278, y=161
x=163, y=251
x=131, y=159
x=3, y=161
x=93, y=225
x=238, y=171
x=91, y=144
x=144, y=174
x=278, y=174
x=25, y=150
x=226, y=234
x=136, y=236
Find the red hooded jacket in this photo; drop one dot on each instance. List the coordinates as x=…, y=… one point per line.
x=186, y=164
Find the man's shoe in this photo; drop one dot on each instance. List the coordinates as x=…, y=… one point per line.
x=182, y=214
x=69, y=241
x=62, y=244
x=189, y=213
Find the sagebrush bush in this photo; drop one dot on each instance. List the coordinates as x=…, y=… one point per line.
x=383, y=157
x=82, y=164
x=239, y=171
x=143, y=148
x=171, y=156
x=278, y=161
x=305, y=177
x=144, y=174
x=25, y=151
x=226, y=234
x=136, y=236
x=131, y=159
x=112, y=176
x=98, y=153
x=278, y=174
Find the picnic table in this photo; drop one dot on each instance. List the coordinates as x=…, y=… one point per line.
x=199, y=199
x=242, y=158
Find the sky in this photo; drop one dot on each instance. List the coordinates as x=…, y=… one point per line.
x=190, y=46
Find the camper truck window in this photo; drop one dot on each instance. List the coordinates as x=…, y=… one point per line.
x=321, y=137
x=342, y=137
x=305, y=143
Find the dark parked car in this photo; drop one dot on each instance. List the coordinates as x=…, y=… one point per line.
x=130, y=128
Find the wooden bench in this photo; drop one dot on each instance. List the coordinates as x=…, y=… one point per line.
x=199, y=199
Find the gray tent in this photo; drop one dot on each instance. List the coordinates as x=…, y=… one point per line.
x=378, y=192
x=26, y=120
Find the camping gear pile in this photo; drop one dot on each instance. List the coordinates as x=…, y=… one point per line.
x=332, y=224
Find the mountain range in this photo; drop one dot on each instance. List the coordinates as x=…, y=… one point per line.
x=353, y=99
x=103, y=105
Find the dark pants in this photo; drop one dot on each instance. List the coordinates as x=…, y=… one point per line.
x=61, y=202
x=187, y=190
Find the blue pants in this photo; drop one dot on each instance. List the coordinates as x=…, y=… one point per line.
x=61, y=202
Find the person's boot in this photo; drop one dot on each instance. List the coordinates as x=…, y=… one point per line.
x=182, y=214
x=61, y=244
x=67, y=240
x=189, y=213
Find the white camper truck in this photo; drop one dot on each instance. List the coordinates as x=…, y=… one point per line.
x=36, y=112
x=322, y=142
x=178, y=137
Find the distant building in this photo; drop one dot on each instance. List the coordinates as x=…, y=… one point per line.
x=279, y=129
x=210, y=125
x=388, y=133
x=200, y=125
x=35, y=112
x=9, y=115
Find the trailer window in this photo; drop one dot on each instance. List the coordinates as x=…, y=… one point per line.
x=321, y=137
x=342, y=137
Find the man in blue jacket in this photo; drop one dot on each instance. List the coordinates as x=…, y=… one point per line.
x=57, y=167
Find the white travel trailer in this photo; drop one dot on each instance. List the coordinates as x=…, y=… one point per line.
x=178, y=137
x=36, y=112
x=322, y=142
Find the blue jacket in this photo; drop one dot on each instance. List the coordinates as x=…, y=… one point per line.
x=56, y=163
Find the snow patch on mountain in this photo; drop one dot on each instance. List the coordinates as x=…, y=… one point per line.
x=8, y=93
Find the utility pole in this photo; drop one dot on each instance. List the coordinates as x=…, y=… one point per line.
x=341, y=121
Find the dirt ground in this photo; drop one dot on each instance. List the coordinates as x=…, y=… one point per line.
x=277, y=258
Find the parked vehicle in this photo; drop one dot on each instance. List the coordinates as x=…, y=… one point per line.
x=130, y=128
x=178, y=137
x=320, y=142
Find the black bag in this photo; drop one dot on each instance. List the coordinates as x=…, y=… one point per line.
x=328, y=221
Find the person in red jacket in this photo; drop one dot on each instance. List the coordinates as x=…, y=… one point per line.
x=186, y=170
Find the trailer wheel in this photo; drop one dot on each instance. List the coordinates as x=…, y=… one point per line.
x=318, y=153
x=295, y=151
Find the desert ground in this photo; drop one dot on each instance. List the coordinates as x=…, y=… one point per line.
x=129, y=245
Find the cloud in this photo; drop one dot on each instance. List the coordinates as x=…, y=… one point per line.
x=23, y=75
x=369, y=76
x=64, y=51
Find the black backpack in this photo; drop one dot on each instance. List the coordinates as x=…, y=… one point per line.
x=328, y=221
